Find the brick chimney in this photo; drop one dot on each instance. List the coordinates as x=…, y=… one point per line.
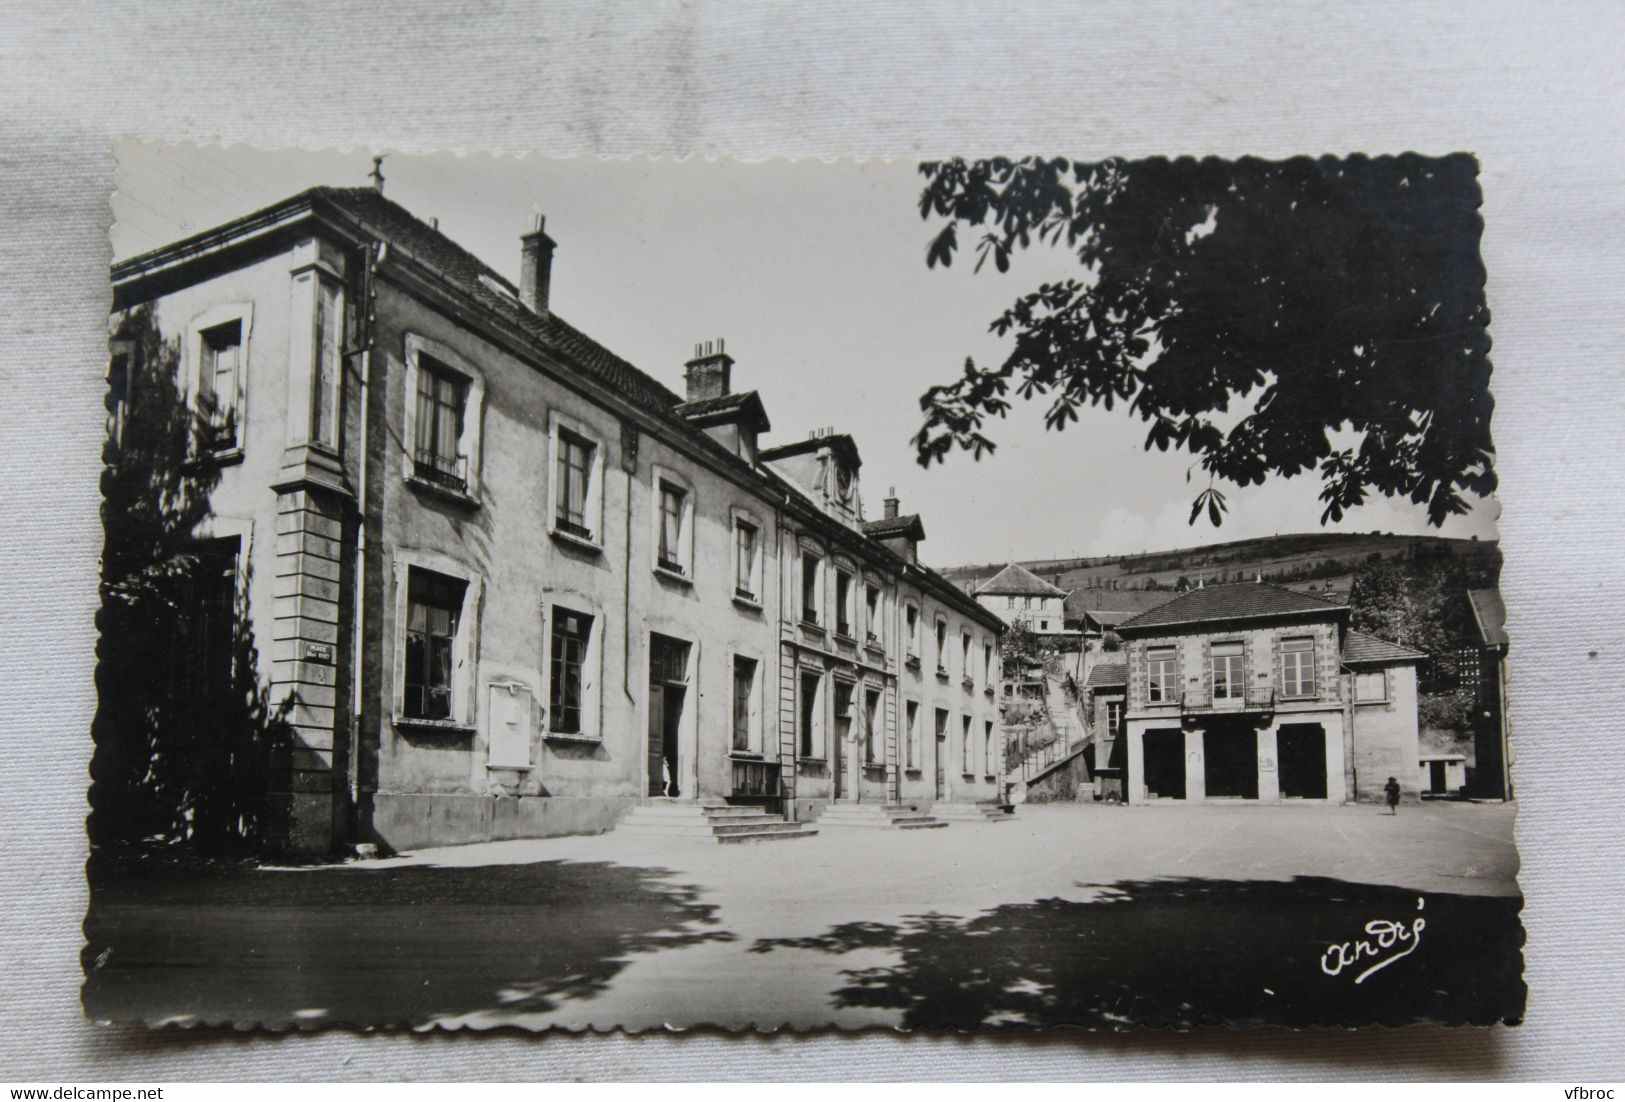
x=710, y=373
x=536, y=266
x=890, y=503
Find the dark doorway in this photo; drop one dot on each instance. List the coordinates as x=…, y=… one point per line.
x=1231, y=756
x=1301, y=748
x=1436, y=779
x=843, y=739
x=668, y=692
x=1165, y=764
x=942, y=754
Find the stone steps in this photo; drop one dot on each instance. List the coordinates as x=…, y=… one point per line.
x=878, y=817
x=972, y=813
x=711, y=822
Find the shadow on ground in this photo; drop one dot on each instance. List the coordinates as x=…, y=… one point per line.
x=373, y=945
x=1188, y=952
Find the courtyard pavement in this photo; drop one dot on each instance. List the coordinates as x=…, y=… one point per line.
x=1089, y=915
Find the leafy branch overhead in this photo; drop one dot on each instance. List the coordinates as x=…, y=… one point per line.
x=1248, y=311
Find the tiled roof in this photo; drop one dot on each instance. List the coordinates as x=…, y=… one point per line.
x=1107, y=618
x=840, y=443
x=1491, y=614
x=1128, y=602
x=741, y=405
x=891, y=527
x=1360, y=649
x=1108, y=675
x=397, y=225
x=1233, y=601
x=1016, y=580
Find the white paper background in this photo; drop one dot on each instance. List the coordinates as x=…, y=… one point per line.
x=1535, y=90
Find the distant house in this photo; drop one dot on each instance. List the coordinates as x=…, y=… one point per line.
x=1251, y=691
x=1492, y=752
x=1017, y=595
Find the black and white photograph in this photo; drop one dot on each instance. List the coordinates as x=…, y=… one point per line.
x=978, y=593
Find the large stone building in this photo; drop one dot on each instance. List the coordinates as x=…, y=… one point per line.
x=1252, y=691
x=509, y=584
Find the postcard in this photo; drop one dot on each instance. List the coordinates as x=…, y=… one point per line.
x=974, y=594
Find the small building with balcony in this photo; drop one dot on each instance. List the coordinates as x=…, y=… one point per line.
x=1250, y=691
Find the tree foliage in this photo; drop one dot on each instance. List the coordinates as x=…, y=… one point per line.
x=171, y=764
x=1418, y=602
x=1244, y=310
x=1421, y=602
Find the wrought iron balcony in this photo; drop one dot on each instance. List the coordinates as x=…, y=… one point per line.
x=1257, y=700
x=448, y=471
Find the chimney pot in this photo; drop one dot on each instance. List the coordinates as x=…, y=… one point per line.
x=536, y=266
x=890, y=503
x=710, y=373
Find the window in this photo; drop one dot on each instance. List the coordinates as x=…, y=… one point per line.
x=1114, y=719
x=871, y=720
x=220, y=384
x=989, y=766
x=965, y=670
x=942, y=738
x=204, y=641
x=942, y=647
x=572, y=631
x=873, y=624
x=441, y=399
x=744, y=702
x=911, y=629
x=911, y=743
x=573, y=469
x=433, y=607
x=987, y=666
x=964, y=745
x=1298, y=667
x=673, y=522
x=811, y=586
x=811, y=720
x=444, y=394
x=843, y=602
x=1371, y=686
x=1162, y=677
x=1229, y=674
x=746, y=557
x=1043, y=625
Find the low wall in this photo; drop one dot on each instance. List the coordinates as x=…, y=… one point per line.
x=405, y=821
x=1068, y=783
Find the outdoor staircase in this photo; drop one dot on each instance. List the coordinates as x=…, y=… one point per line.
x=874, y=816
x=986, y=811
x=726, y=824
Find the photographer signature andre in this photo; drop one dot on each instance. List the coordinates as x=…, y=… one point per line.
x=1382, y=937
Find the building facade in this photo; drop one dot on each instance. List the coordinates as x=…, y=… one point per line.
x=1254, y=692
x=508, y=584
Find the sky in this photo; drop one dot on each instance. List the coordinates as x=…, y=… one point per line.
x=814, y=272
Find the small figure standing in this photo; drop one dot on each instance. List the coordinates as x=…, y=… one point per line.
x=1390, y=792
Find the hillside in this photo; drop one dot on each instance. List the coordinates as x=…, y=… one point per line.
x=1311, y=560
